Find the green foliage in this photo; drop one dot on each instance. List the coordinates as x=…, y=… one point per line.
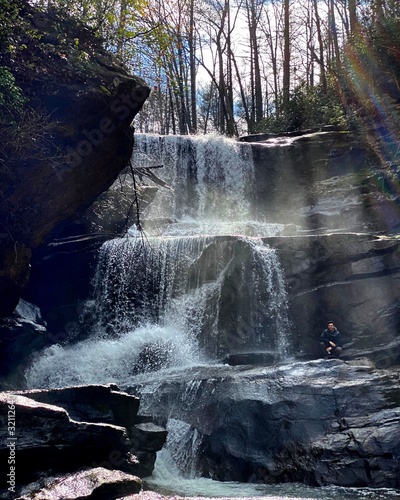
x=309, y=107
x=11, y=96
x=385, y=40
x=9, y=12
x=113, y=21
x=370, y=83
x=38, y=49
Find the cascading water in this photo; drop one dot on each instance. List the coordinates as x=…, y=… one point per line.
x=168, y=307
x=195, y=289
x=192, y=283
x=211, y=180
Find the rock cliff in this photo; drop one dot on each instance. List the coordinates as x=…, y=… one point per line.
x=78, y=137
x=324, y=182
x=319, y=422
x=351, y=277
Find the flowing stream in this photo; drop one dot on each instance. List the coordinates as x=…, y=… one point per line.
x=200, y=285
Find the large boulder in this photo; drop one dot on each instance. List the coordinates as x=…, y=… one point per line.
x=93, y=484
x=21, y=334
x=51, y=432
x=83, y=105
x=317, y=422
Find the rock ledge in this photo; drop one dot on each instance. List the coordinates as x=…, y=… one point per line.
x=70, y=430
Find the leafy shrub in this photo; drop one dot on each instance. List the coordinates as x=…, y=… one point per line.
x=309, y=107
x=11, y=96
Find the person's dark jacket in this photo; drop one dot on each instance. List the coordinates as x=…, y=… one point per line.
x=331, y=336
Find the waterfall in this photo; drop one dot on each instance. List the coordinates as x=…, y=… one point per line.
x=194, y=284
x=168, y=307
x=189, y=292
x=211, y=177
x=211, y=184
x=206, y=286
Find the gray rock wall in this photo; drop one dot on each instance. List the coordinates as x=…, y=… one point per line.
x=352, y=279
x=317, y=422
x=323, y=182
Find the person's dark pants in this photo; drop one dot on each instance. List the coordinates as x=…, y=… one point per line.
x=335, y=352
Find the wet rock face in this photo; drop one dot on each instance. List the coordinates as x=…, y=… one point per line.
x=64, y=430
x=320, y=182
x=318, y=422
x=20, y=335
x=352, y=279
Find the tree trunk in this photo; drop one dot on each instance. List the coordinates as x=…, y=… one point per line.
x=378, y=8
x=321, y=59
x=256, y=86
x=230, y=119
x=286, y=59
x=353, y=16
x=121, y=30
x=192, y=64
x=335, y=42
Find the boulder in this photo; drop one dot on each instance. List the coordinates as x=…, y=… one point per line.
x=21, y=334
x=323, y=422
x=93, y=484
x=91, y=403
x=61, y=431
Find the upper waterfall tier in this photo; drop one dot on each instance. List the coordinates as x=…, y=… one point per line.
x=312, y=182
x=210, y=183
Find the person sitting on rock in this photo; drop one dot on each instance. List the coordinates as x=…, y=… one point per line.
x=330, y=340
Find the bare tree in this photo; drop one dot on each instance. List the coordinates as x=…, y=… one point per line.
x=286, y=56
x=193, y=67
x=321, y=57
x=253, y=13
